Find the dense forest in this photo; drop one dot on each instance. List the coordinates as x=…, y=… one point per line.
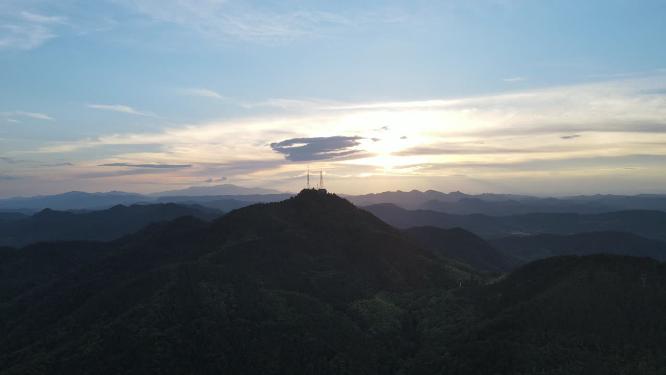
x=315, y=285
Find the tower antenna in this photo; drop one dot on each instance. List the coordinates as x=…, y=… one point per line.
x=321, y=179
x=308, y=179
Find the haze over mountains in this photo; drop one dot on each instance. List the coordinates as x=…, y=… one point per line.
x=454, y=203
x=506, y=240
x=103, y=225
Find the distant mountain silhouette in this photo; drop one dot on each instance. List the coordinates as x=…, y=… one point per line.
x=511, y=204
x=77, y=200
x=74, y=200
x=300, y=286
x=224, y=189
x=650, y=224
x=529, y=248
x=225, y=202
x=50, y=225
x=228, y=195
x=461, y=245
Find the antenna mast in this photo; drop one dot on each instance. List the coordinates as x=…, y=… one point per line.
x=308, y=179
x=321, y=179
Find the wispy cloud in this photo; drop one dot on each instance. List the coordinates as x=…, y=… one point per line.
x=250, y=21
x=32, y=115
x=514, y=79
x=570, y=136
x=156, y=166
x=464, y=135
x=202, y=92
x=25, y=30
x=43, y=19
x=120, y=108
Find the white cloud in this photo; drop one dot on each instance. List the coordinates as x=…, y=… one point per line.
x=482, y=136
x=202, y=92
x=514, y=79
x=120, y=108
x=250, y=21
x=40, y=18
x=222, y=18
x=27, y=30
x=32, y=115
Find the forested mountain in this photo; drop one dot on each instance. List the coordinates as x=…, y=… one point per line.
x=650, y=224
x=50, y=225
x=599, y=314
x=463, y=246
x=73, y=200
x=11, y=216
x=315, y=285
x=529, y=248
x=300, y=286
x=511, y=204
x=227, y=197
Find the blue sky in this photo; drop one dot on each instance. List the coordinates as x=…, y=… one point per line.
x=541, y=97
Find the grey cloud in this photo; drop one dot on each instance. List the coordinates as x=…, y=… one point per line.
x=210, y=180
x=318, y=148
x=572, y=136
x=9, y=160
x=64, y=164
x=156, y=166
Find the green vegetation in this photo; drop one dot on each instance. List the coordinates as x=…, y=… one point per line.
x=314, y=285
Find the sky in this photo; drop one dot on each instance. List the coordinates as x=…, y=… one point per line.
x=532, y=97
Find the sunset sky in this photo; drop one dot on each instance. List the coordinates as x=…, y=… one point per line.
x=537, y=97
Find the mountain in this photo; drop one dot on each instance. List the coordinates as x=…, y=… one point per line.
x=224, y=189
x=50, y=225
x=312, y=285
x=225, y=202
x=650, y=224
x=473, y=205
x=227, y=195
x=599, y=314
x=213, y=196
x=511, y=204
x=416, y=199
x=11, y=216
x=461, y=245
x=74, y=200
x=307, y=285
x=529, y=248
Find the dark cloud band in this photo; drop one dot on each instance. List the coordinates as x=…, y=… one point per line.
x=156, y=166
x=317, y=148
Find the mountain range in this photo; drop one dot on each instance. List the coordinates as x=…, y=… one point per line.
x=314, y=284
x=228, y=196
x=650, y=224
x=103, y=225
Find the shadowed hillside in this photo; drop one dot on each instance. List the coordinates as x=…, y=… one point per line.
x=651, y=224
x=104, y=225
x=462, y=246
x=303, y=285
x=568, y=315
x=529, y=248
